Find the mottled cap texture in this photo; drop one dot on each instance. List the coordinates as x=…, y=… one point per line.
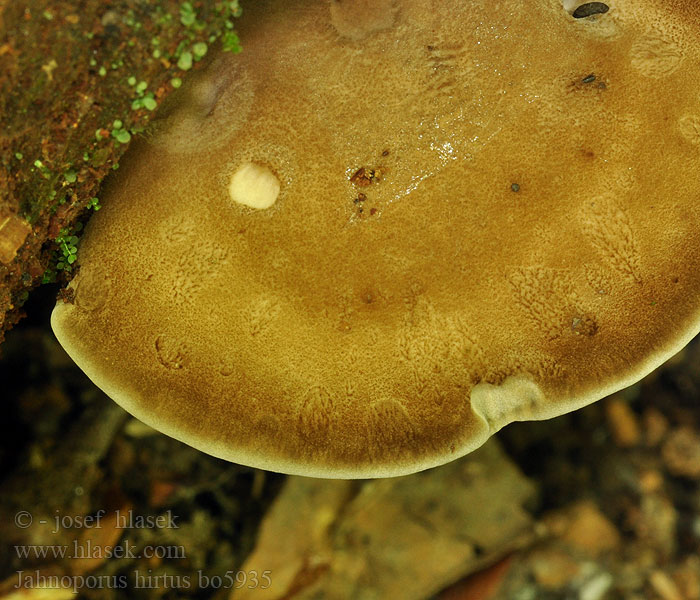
x=387, y=229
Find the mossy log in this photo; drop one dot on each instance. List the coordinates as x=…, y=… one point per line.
x=79, y=78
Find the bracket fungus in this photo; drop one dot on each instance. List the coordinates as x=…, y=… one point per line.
x=387, y=229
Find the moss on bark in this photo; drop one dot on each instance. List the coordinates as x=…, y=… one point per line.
x=79, y=78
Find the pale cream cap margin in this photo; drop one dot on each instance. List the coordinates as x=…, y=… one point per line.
x=513, y=394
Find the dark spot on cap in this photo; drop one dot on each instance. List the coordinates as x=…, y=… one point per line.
x=364, y=176
x=589, y=9
x=584, y=325
x=515, y=187
x=360, y=198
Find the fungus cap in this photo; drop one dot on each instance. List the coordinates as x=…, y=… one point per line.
x=383, y=232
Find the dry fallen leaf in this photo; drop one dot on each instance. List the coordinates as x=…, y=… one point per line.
x=405, y=537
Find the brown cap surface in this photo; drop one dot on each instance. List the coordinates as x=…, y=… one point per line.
x=380, y=234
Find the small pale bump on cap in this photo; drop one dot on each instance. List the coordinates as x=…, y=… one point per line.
x=357, y=19
x=254, y=185
x=690, y=128
x=200, y=116
x=513, y=399
x=265, y=316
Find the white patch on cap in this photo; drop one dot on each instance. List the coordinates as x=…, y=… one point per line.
x=517, y=398
x=254, y=185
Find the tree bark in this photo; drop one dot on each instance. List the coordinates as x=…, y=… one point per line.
x=79, y=78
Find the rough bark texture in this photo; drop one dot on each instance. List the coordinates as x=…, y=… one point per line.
x=77, y=79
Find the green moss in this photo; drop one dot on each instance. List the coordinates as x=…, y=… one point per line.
x=149, y=103
x=199, y=49
x=188, y=16
x=119, y=133
x=65, y=254
x=185, y=61
x=92, y=79
x=230, y=42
